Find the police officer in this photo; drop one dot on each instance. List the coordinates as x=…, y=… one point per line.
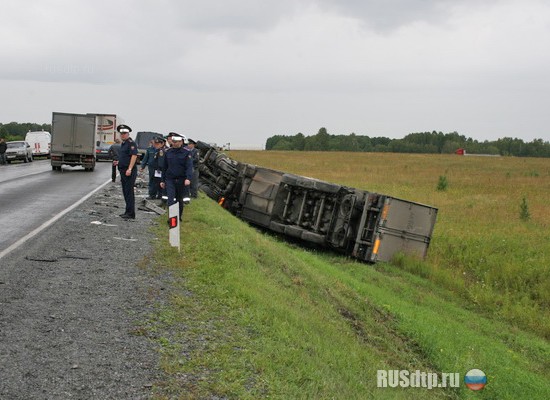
x=195, y=157
x=128, y=171
x=114, y=150
x=177, y=172
x=147, y=161
x=157, y=164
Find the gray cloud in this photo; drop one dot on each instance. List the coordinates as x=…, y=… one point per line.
x=255, y=68
x=388, y=15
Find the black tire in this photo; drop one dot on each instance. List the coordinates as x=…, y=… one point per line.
x=310, y=183
x=208, y=191
x=313, y=237
x=326, y=187
x=294, y=231
x=26, y=159
x=226, y=167
x=249, y=170
x=202, y=146
x=277, y=227
x=290, y=179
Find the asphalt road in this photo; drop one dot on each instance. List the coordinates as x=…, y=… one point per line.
x=31, y=194
x=75, y=299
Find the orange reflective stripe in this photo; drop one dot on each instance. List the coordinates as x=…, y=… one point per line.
x=385, y=211
x=376, y=246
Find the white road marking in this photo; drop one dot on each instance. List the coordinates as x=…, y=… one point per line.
x=49, y=222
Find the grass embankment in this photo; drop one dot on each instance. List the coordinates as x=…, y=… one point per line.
x=253, y=317
x=481, y=248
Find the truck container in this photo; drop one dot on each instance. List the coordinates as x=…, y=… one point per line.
x=365, y=225
x=73, y=140
x=40, y=142
x=105, y=125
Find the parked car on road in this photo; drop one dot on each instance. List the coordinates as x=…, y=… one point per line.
x=18, y=150
x=102, y=152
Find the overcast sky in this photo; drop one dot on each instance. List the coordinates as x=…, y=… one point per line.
x=240, y=71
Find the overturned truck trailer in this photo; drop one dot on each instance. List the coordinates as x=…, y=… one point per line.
x=368, y=226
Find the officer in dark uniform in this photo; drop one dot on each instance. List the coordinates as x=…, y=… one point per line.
x=113, y=152
x=127, y=168
x=157, y=164
x=147, y=161
x=195, y=157
x=177, y=172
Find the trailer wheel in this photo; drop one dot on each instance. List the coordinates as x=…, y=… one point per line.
x=290, y=179
x=277, y=227
x=312, y=184
x=326, y=187
x=249, y=170
x=345, y=207
x=208, y=191
x=313, y=237
x=294, y=231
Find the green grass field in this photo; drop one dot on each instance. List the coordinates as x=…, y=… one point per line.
x=251, y=316
x=481, y=248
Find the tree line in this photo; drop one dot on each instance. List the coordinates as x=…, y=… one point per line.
x=17, y=131
x=419, y=142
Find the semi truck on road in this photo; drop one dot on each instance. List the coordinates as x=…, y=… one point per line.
x=73, y=140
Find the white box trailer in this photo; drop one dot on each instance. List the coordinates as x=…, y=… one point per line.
x=40, y=142
x=106, y=127
x=73, y=140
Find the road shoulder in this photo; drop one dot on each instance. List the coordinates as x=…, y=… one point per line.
x=70, y=301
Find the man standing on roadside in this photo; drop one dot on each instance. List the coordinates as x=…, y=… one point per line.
x=3, y=148
x=158, y=164
x=114, y=150
x=147, y=161
x=195, y=157
x=128, y=171
x=177, y=172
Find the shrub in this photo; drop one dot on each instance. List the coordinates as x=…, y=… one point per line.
x=524, y=210
x=442, y=183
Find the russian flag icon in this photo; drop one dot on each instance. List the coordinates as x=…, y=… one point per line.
x=475, y=379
